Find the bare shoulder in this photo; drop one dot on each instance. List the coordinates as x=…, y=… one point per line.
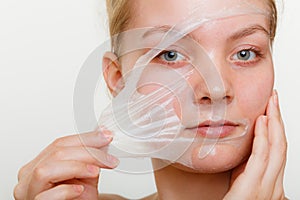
x=117, y=197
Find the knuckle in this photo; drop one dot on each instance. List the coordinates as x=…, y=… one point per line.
x=18, y=192
x=58, y=153
x=21, y=172
x=40, y=173
x=58, y=142
x=263, y=156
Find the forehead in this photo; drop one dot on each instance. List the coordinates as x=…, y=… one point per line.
x=152, y=13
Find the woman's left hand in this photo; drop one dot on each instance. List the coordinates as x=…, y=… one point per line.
x=261, y=177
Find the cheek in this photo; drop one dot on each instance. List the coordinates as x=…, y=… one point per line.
x=253, y=93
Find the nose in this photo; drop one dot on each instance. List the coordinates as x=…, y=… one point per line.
x=216, y=89
x=216, y=95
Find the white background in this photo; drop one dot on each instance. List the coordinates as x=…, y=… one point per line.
x=42, y=47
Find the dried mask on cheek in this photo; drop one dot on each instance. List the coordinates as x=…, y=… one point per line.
x=143, y=117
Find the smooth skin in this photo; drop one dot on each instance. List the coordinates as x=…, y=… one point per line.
x=262, y=176
x=69, y=167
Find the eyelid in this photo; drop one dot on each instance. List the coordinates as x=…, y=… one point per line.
x=176, y=49
x=245, y=48
x=257, y=50
x=174, y=64
x=180, y=56
x=235, y=56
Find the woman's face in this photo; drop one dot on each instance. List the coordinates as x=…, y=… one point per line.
x=239, y=47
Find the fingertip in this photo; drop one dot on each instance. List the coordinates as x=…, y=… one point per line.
x=264, y=119
x=277, y=104
x=273, y=111
x=113, y=161
x=93, y=169
x=108, y=135
x=261, y=126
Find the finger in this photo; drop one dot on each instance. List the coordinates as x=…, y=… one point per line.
x=277, y=137
x=278, y=192
x=61, y=192
x=55, y=172
x=20, y=192
x=80, y=154
x=92, y=139
x=273, y=109
x=45, y=171
x=23, y=171
x=86, y=155
x=96, y=139
x=277, y=143
x=257, y=161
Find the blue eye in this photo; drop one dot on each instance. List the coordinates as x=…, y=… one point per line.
x=245, y=55
x=171, y=56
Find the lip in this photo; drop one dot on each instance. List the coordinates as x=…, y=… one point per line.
x=215, y=129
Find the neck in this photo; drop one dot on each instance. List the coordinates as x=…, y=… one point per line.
x=174, y=183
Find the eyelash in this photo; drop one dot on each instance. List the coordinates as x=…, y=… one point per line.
x=258, y=55
x=173, y=64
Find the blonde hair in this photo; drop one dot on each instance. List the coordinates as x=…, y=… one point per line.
x=273, y=18
x=119, y=16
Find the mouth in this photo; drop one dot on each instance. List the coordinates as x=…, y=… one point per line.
x=215, y=129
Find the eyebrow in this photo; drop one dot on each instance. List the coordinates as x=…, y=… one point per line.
x=248, y=31
x=235, y=36
x=157, y=29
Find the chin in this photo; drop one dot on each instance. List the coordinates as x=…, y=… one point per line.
x=223, y=157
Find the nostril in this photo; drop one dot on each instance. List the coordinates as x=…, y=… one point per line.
x=228, y=99
x=208, y=100
x=205, y=100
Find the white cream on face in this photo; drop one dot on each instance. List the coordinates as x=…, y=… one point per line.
x=237, y=110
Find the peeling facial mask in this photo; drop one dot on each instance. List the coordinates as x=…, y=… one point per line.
x=156, y=114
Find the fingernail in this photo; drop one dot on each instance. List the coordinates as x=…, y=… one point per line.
x=275, y=98
x=112, y=160
x=93, y=169
x=78, y=188
x=107, y=134
x=265, y=119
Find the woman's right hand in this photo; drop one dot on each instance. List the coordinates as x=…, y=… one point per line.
x=67, y=169
x=261, y=177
